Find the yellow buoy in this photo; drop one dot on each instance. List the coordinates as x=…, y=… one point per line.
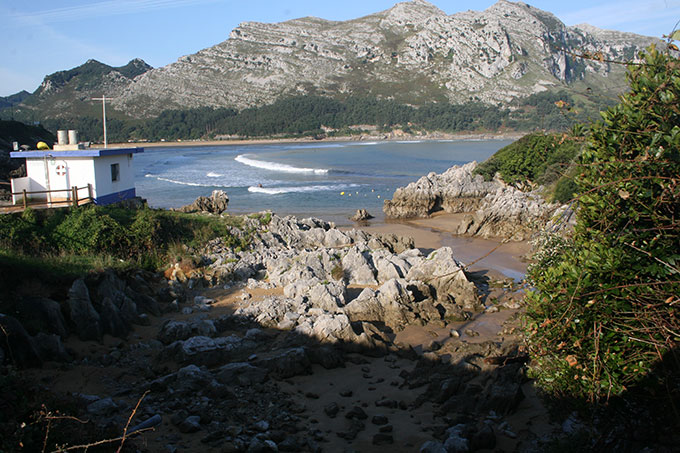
x=342, y=193
x=42, y=145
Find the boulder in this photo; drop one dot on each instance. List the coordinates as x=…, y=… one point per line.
x=102, y=407
x=286, y=364
x=85, y=318
x=112, y=321
x=358, y=269
x=458, y=189
x=240, y=373
x=508, y=213
x=445, y=274
x=144, y=302
x=42, y=315
x=51, y=348
x=18, y=346
x=331, y=328
x=173, y=330
x=361, y=215
x=391, y=304
x=329, y=296
x=192, y=379
x=215, y=204
x=200, y=350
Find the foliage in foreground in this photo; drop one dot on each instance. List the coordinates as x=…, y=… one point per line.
x=89, y=236
x=605, y=312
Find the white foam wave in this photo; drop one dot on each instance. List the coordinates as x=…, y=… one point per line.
x=363, y=143
x=213, y=175
x=174, y=181
x=297, y=189
x=274, y=166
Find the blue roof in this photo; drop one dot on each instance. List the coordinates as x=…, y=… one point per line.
x=89, y=152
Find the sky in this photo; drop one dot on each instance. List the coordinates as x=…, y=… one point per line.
x=41, y=37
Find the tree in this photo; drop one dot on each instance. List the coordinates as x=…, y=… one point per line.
x=605, y=311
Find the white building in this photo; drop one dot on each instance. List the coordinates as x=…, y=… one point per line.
x=104, y=175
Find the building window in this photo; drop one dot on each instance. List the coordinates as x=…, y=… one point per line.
x=115, y=172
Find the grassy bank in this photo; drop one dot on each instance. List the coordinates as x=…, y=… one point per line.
x=74, y=241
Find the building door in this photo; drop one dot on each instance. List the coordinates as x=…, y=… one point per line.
x=59, y=181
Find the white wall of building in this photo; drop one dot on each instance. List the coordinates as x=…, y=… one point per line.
x=18, y=186
x=102, y=174
x=80, y=171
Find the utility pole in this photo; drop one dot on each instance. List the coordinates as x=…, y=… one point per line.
x=103, y=99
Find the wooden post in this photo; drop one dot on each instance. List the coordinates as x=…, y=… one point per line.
x=25, y=200
x=74, y=191
x=89, y=191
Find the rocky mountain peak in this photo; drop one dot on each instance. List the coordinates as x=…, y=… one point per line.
x=523, y=14
x=413, y=11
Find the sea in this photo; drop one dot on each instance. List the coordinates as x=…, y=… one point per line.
x=329, y=180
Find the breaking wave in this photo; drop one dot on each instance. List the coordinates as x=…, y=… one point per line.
x=298, y=189
x=183, y=183
x=274, y=166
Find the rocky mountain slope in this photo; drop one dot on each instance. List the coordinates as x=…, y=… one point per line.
x=69, y=93
x=412, y=52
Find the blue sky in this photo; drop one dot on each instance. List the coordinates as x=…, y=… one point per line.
x=44, y=36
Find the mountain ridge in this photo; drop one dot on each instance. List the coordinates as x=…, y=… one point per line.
x=413, y=53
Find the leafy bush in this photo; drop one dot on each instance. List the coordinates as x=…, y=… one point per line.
x=537, y=157
x=564, y=190
x=100, y=234
x=91, y=230
x=606, y=309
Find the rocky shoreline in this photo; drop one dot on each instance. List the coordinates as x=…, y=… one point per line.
x=313, y=339
x=492, y=209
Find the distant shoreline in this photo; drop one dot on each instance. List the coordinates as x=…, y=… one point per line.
x=390, y=137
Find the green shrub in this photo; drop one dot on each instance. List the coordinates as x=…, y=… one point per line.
x=537, y=158
x=564, y=190
x=606, y=309
x=90, y=231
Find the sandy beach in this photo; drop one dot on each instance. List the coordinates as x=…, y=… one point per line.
x=348, y=138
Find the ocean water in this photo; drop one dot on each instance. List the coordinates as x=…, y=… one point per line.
x=327, y=180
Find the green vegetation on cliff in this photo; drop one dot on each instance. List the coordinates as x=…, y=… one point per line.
x=537, y=158
x=604, y=316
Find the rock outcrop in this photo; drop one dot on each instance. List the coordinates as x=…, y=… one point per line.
x=361, y=215
x=216, y=203
x=492, y=209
